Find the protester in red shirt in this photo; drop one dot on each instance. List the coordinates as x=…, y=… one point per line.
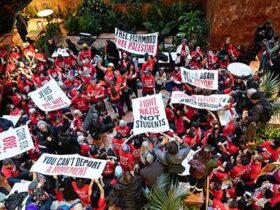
x=117, y=142
x=126, y=159
x=60, y=62
x=81, y=102
x=270, y=150
x=212, y=60
x=148, y=83
x=149, y=63
x=240, y=169
x=85, y=53
x=115, y=98
x=83, y=190
x=95, y=91
x=123, y=129
x=135, y=149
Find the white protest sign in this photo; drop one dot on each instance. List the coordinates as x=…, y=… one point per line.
x=149, y=115
x=225, y=116
x=139, y=44
x=15, y=141
x=186, y=164
x=13, y=118
x=50, y=97
x=20, y=187
x=200, y=78
x=212, y=102
x=69, y=165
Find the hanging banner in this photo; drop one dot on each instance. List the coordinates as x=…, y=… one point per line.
x=200, y=78
x=212, y=102
x=15, y=141
x=149, y=115
x=50, y=97
x=138, y=44
x=69, y=165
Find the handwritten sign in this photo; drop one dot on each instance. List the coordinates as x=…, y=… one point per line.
x=139, y=44
x=50, y=97
x=15, y=141
x=212, y=102
x=200, y=78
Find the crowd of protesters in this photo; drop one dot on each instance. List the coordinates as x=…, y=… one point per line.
x=225, y=154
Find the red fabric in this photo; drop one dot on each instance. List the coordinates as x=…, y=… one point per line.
x=125, y=131
x=81, y=103
x=169, y=114
x=84, y=149
x=85, y=54
x=109, y=77
x=82, y=193
x=10, y=172
x=148, y=83
x=218, y=205
x=237, y=171
x=179, y=123
x=149, y=64
x=101, y=204
x=117, y=144
x=60, y=62
x=109, y=168
x=218, y=194
x=253, y=171
x=268, y=151
x=276, y=195
x=96, y=91
x=89, y=68
x=135, y=152
x=277, y=175
x=126, y=161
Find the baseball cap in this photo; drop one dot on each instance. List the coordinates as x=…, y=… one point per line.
x=111, y=64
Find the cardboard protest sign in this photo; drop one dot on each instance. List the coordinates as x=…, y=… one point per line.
x=212, y=102
x=50, y=97
x=15, y=141
x=20, y=187
x=149, y=115
x=200, y=78
x=139, y=44
x=69, y=165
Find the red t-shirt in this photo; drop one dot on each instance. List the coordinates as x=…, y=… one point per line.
x=81, y=103
x=85, y=54
x=179, y=123
x=96, y=91
x=126, y=161
x=109, y=77
x=218, y=205
x=149, y=65
x=117, y=143
x=237, y=171
x=88, y=69
x=135, y=152
x=109, y=168
x=269, y=152
x=253, y=171
x=125, y=131
x=276, y=195
x=277, y=175
x=169, y=114
x=218, y=194
x=148, y=83
x=82, y=193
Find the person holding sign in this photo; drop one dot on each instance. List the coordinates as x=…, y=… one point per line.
x=83, y=190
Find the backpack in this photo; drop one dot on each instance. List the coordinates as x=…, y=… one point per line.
x=174, y=168
x=267, y=110
x=15, y=200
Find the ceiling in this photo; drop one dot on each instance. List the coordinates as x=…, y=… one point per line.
x=8, y=9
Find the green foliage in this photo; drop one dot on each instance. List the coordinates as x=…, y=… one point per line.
x=165, y=194
x=267, y=132
x=193, y=27
x=52, y=29
x=270, y=85
x=163, y=19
